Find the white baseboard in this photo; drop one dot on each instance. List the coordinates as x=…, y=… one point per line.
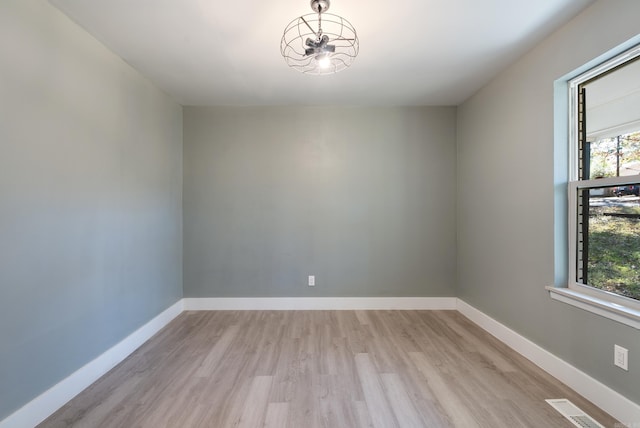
x=51, y=400
x=599, y=394
x=318, y=303
x=41, y=407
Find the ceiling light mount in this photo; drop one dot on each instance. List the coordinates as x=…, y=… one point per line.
x=319, y=44
x=319, y=6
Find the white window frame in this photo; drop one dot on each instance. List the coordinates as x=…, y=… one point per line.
x=607, y=304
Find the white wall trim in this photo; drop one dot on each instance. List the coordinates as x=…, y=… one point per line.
x=43, y=406
x=51, y=400
x=613, y=308
x=318, y=303
x=601, y=395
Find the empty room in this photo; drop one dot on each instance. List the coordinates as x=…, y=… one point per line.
x=314, y=213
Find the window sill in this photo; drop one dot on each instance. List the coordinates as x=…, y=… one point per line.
x=613, y=311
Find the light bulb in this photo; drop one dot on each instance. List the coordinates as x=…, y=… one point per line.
x=324, y=61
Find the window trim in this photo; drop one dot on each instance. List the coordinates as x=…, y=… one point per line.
x=603, y=307
x=610, y=305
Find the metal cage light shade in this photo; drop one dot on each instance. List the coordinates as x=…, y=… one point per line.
x=320, y=43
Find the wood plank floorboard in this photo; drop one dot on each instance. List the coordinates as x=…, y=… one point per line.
x=317, y=369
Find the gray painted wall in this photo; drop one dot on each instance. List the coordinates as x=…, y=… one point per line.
x=90, y=200
x=363, y=198
x=506, y=200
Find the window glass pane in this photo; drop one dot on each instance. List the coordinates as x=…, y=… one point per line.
x=613, y=102
x=615, y=157
x=611, y=122
x=609, y=239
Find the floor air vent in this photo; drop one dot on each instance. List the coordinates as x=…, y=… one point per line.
x=573, y=413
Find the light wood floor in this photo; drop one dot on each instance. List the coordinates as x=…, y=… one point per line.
x=306, y=369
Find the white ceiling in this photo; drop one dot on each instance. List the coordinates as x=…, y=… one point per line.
x=412, y=52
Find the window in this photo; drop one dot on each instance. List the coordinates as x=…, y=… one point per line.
x=604, y=190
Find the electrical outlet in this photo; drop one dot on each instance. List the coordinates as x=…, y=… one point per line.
x=621, y=357
x=312, y=281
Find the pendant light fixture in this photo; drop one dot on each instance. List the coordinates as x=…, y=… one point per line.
x=320, y=43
